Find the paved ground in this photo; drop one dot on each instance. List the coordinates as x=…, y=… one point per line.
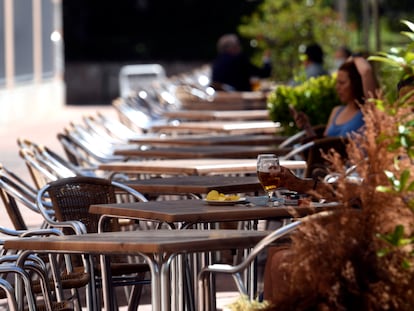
x=43, y=131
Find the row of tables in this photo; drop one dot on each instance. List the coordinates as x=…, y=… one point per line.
x=206, y=150
x=218, y=155
x=201, y=167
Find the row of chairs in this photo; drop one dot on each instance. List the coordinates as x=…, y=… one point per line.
x=48, y=169
x=86, y=145
x=75, y=182
x=62, y=190
x=60, y=211
x=59, y=171
x=17, y=194
x=90, y=144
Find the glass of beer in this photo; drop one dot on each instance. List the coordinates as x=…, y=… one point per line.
x=268, y=169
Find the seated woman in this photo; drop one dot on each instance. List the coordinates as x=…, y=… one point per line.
x=355, y=83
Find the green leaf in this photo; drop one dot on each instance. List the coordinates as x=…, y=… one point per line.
x=410, y=35
x=406, y=264
x=390, y=175
x=389, y=59
x=404, y=179
x=409, y=24
x=383, y=252
x=383, y=189
x=411, y=186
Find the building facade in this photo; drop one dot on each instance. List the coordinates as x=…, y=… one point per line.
x=31, y=58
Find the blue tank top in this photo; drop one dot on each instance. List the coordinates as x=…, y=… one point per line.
x=342, y=130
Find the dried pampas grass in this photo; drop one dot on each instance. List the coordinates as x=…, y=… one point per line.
x=334, y=261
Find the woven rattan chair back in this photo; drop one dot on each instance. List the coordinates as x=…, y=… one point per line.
x=71, y=198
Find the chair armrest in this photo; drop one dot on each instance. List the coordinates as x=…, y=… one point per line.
x=77, y=226
x=297, y=150
x=299, y=136
x=235, y=271
x=292, y=139
x=41, y=232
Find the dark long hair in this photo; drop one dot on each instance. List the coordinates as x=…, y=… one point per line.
x=356, y=80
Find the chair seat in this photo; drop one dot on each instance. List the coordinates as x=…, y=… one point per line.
x=76, y=279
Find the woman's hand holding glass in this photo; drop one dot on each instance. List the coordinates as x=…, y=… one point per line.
x=268, y=173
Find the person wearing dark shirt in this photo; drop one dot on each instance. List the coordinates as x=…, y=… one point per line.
x=232, y=70
x=314, y=61
x=313, y=64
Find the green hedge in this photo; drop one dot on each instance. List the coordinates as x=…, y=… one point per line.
x=316, y=97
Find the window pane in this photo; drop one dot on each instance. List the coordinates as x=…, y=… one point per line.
x=23, y=50
x=2, y=51
x=47, y=44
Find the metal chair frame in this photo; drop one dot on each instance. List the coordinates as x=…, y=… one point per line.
x=206, y=301
x=76, y=191
x=16, y=193
x=134, y=76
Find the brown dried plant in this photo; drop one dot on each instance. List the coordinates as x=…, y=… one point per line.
x=359, y=258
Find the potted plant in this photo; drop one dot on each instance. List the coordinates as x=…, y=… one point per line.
x=316, y=97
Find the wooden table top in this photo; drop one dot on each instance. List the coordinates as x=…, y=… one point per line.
x=203, y=115
x=225, y=101
x=230, y=127
x=158, y=246
x=196, y=184
x=209, y=139
x=198, y=211
x=200, y=152
x=141, y=241
x=192, y=166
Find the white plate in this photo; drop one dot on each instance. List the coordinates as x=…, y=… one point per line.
x=226, y=202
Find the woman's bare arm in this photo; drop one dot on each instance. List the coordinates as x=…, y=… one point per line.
x=369, y=81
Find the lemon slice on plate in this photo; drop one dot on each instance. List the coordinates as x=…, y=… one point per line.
x=214, y=195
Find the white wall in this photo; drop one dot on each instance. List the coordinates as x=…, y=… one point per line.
x=31, y=101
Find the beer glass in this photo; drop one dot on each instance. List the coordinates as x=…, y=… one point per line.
x=268, y=169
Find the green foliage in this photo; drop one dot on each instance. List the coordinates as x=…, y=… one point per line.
x=395, y=240
x=286, y=26
x=316, y=97
x=396, y=64
x=397, y=185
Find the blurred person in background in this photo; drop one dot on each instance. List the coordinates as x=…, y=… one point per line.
x=314, y=61
x=313, y=64
x=232, y=70
x=340, y=56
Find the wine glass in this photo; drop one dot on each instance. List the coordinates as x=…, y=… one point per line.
x=268, y=169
